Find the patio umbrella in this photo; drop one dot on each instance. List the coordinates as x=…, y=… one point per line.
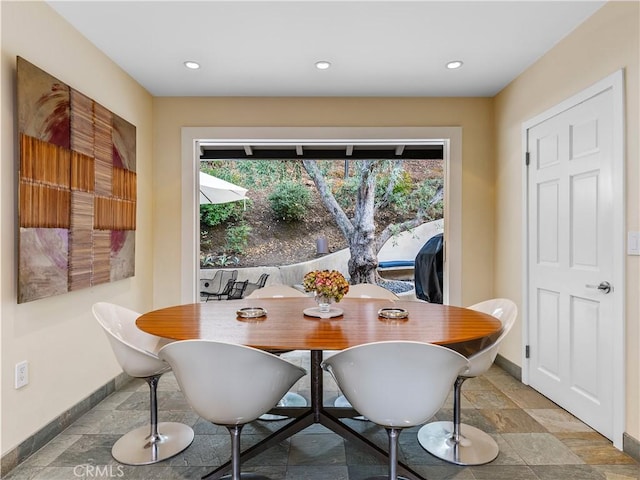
x=216, y=190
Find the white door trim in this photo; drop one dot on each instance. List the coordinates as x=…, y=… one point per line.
x=450, y=136
x=615, y=82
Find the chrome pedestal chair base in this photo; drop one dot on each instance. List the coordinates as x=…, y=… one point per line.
x=246, y=476
x=152, y=443
x=384, y=477
x=291, y=399
x=136, y=448
x=474, y=446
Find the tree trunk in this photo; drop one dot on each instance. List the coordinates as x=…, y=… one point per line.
x=363, y=263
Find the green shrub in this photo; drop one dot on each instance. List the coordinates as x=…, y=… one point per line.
x=237, y=238
x=345, y=191
x=290, y=201
x=263, y=173
x=212, y=215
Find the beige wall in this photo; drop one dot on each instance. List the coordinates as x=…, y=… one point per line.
x=68, y=354
x=474, y=115
x=606, y=42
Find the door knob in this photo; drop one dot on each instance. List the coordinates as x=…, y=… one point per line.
x=604, y=287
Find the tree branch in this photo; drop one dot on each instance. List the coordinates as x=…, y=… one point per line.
x=393, y=179
x=395, y=228
x=328, y=200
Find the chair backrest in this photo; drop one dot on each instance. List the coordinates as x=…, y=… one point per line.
x=211, y=285
x=228, y=287
x=135, y=350
x=369, y=290
x=237, y=290
x=226, y=276
x=504, y=310
x=276, y=291
x=229, y=384
x=396, y=383
x=262, y=280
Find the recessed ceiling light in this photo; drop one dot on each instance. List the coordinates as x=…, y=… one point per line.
x=192, y=65
x=455, y=64
x=322, y=65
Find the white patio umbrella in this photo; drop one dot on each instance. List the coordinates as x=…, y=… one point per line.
x=216, y=190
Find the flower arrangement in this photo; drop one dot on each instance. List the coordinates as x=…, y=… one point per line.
x=326, y=283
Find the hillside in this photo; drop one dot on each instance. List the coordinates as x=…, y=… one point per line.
x=274, y=242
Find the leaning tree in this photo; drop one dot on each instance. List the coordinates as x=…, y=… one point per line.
x=424, y=203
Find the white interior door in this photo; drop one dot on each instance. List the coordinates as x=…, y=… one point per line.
x=574, y=293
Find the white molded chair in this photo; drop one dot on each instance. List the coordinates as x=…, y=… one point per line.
x=275, y=291
x=396, y=384
x=290, y=399
x=135, y=351
x=369, y=290
x=457, y=442
x=230, y=385
x=364, y=290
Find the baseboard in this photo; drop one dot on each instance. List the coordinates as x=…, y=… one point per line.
x=43, y=436
x=630, y=445
x=508, y=366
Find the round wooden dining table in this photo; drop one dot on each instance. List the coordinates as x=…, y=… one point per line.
x=285, y=327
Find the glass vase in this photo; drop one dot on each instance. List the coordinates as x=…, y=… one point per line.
x=324, y=303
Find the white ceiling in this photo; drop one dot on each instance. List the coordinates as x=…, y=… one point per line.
x=377, y=48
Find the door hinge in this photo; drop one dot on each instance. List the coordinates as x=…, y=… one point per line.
x=527, y=352
x=527, y=159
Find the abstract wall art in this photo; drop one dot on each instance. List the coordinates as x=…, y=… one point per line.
x=77, y=189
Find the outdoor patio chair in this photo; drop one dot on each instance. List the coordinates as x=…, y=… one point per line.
x=217, y=286
x=237, y=290
x=252, y=287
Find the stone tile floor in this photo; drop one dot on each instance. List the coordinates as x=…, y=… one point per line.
x=537, y=439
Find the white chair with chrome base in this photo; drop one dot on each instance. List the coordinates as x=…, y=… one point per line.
x=396, y=384
x=230, y=385
x=364, y=290
x=276, y=291
x=457, y=442
x=135, y=351
x=290, y=399
x=370, y=290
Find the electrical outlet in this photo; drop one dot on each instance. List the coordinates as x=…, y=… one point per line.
x=22, y=374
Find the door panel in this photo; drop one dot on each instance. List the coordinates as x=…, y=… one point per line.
x=571, y=239
x=548, y=340
x=584, y=220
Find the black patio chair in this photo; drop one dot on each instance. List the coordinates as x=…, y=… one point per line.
x=252, y=287
x=226, y=290
x=237, y=290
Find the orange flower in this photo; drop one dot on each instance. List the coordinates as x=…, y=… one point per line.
x=328, y=283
